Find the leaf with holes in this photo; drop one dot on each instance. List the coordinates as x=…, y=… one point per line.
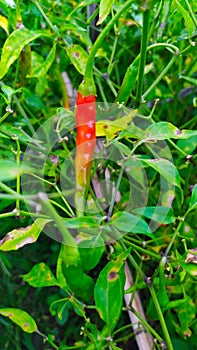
x=22, y=236
x=40, y=276
x=21, y=318
x=109, y=290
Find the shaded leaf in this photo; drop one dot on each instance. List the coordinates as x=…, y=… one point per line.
x=21, y=318
x=40, y=276
x=22, y=236
x=109, y=290
x=91, y=252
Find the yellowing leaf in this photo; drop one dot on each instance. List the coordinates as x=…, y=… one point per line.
x=22, y=236
x=109, y=128
x=4, y=23
x=21, y=318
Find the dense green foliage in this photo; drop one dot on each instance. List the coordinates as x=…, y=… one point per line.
x=143, y=59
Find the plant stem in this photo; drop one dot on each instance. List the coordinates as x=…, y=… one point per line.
x=161, y=318
x=44, y=15
x=67, y=237
x=146, y=324
x=160, y=76
x=173, y=238
x=143, y=50
x=18, y=178
x=90, y=63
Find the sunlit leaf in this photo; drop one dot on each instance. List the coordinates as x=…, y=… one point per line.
x=4, y=23
x=188, y=20
x=78, y=57
x=193, y=199
x=109, y=290
x=22, y=236
x=163, y=215
x=21, y=318
x=41, y=70
x=165, y=130
x=14, y=45
x=10, y=170
x=127, y=222
x=105, y=7
x=40, y=276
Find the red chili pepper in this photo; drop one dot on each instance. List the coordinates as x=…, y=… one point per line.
x=85, y=142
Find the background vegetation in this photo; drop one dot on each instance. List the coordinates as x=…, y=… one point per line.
x=147, y=63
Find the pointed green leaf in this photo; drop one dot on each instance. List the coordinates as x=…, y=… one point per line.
x=188, y=21
x=163, y=215
x=40, y=276
x=165, y=130
x=166, y=169
x=91, y=252
x=21, y=318
x=14, y=45
x=40, y=70
x=78, y=57
x=193, y=199
x=22, y=236
x=109, y=291
x=10, y=170
x=127, y=222
x=105, y=7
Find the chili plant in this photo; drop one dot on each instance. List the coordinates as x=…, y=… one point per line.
x=97, y=158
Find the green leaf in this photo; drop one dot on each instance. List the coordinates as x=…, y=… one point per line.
x=166, y=169
x=165, y=130
x=81, y=222
x=188, y=21
x=14, y=45
x=4, y=23
x=40, y=70
x=127, y=222
x=10, y=170
x=91, y=252
x=186, y=313
x=40, y=276
x=188, y=145
x=78, y=57
x=21, y=318
x=105, y=7
x=22, y=236
x=193, y=199
x=163, y=215
x=109, y=290
x=58, y=307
